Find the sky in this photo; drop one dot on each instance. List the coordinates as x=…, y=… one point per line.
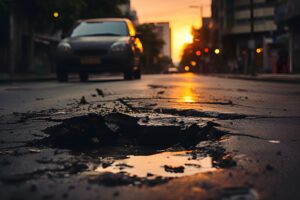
x=180, y=15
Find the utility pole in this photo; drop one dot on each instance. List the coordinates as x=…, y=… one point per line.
x=12, y=46
x=252, y=40
x=201, y=13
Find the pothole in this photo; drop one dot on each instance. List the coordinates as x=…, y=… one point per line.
x=149, y=149
x=117, y=129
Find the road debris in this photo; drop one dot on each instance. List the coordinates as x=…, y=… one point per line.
x=171, y=169
x=100, y=92
x=83, y=101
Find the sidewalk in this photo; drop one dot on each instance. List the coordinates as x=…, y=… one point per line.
x=281, y=78
x=5, y=78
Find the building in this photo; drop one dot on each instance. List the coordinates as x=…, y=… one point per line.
x=29, y=34
x=164, y=31
x=288, y=19
x=243, y=40
x=23, y=49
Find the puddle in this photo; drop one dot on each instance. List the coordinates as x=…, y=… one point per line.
x=165, y=164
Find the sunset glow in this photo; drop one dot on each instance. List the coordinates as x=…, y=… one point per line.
x=178, y=12
x=180, y=37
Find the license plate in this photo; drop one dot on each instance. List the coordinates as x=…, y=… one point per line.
x=90, y=60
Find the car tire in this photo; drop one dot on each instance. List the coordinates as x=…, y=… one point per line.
x=137, y=73
x=61, y=75
x=83, y=76
x=128, y=75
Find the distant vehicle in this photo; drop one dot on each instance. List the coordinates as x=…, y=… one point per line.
x=171, y=70
x=100, y=45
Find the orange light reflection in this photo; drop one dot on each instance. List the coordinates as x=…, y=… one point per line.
x=185, y=93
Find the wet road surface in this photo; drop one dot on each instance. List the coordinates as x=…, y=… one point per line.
x=196, y=136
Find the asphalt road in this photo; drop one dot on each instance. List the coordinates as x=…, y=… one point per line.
x=260, y=122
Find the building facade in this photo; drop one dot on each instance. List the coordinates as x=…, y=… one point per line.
x=288, y=19
x=246, y=32
x=164, y=31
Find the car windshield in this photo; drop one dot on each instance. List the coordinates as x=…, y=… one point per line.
x=100, y=28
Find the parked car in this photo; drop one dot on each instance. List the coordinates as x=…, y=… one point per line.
x=171, y=70
x=100, y=45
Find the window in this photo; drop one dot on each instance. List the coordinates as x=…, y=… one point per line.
x=100, y=28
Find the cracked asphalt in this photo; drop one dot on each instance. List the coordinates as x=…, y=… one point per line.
x=200, y=137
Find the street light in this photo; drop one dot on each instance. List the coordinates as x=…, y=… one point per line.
x=259, y=50
x=198, y=53
x=12, y=49
x=206, y=50
x=187, y=68
x=217, y=51
x=193, y=63
x=252, y=39
x=55, y=14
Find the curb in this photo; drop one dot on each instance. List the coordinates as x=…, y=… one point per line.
x=34, y=79
x=292, y=80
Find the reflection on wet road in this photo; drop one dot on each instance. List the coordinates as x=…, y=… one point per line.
x=184, y=93
x=165, y=164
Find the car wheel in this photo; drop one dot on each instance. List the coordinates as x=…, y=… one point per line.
x=128, y=75
x=84, y=77
x=61, y=75
x=137, y=73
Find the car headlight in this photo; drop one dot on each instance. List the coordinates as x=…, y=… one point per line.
x=64, y=47
x=119, y=47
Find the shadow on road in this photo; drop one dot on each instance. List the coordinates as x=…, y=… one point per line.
x=99, y=79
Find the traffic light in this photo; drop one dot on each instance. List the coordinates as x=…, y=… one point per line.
x=217, y=51
x=206, y=50
x=198, y=53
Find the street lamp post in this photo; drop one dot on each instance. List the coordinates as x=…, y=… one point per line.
x=252, y=40
x=12, y=47
x=201, y=13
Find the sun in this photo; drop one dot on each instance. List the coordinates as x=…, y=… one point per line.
x=181, y=36
x=187, y=38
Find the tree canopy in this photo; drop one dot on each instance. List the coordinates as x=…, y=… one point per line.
x=152, y=45
x=40, y=12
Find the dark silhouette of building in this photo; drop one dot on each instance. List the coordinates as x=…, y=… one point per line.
x=288, y=20
x=233, y=32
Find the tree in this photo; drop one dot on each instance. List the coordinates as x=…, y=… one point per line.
x=46, y=17
x=3, y=21
x=40, y=12
x=152, y=44
x=188, y=55
x=199, y=55
x=102, y=8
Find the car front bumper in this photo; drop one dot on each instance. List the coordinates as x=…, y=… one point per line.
x=112, y=62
